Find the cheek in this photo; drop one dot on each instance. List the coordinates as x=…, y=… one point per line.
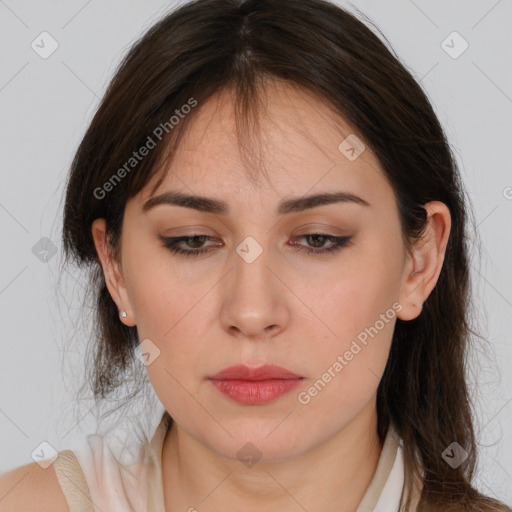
x=348, y=366
x=167, y=309
x=159, y=298
x=360, y=313
x=370, y=287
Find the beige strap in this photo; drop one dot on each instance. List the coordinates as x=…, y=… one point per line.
x=154, y=478
x=72, y=480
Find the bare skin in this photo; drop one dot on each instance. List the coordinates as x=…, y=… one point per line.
x=297, y=310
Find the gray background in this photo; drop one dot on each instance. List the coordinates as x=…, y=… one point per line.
x=46, y=105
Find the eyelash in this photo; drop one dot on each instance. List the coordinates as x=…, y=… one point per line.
x=172, y=244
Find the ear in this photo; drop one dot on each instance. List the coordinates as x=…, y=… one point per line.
x=425, y=262
x=112, y=271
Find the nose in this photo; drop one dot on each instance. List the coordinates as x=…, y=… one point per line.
x=254, y=299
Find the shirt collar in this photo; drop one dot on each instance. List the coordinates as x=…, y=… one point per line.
x=384, y=493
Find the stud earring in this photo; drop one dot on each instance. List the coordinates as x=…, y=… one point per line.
x=123, y=313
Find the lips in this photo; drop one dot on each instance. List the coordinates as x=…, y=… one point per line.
x=255, y=386
x=265, y=372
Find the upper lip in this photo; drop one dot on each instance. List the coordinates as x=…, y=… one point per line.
x=265, y=372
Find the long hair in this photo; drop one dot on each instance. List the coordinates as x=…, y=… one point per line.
x=206, y=46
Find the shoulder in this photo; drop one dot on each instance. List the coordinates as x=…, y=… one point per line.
x=32, y=489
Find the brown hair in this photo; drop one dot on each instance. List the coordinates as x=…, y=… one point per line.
x=206, y=46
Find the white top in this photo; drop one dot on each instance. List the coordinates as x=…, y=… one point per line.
x=94, y=479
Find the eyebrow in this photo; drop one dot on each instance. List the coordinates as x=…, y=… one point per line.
x=217, y=206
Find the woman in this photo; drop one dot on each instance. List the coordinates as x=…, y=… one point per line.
x=275, y=226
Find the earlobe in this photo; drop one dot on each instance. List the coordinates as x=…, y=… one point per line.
x=411, y=295
x=111, y=271
x=425, y=261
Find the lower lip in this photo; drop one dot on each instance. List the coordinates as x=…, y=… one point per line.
x=255, y=392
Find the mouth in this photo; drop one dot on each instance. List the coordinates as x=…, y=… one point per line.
x=255, y=386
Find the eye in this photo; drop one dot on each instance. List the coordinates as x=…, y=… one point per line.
x=175, y=244
x=318, y=239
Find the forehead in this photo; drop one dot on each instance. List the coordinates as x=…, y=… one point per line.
x=301, y=143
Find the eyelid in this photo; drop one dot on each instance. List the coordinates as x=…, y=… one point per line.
x=322, y=229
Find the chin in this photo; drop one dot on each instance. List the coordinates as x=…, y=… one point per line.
x=258, y=442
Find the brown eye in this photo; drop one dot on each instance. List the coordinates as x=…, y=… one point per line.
x=318, y=240
x=173, y=244
x=195, y=243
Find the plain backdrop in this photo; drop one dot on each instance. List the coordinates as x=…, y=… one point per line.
x=47, y=103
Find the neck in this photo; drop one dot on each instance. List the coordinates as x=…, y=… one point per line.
x=331, y=477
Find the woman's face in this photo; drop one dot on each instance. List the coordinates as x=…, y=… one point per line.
x=256, y=297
